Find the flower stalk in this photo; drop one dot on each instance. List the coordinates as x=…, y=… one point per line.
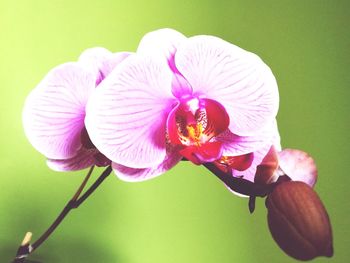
x=240, y=185
x=27, y=249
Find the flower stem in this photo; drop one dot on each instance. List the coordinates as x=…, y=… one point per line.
x=240, y=185
x=26, y=248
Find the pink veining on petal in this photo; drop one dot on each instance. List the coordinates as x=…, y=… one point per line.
x=237, y=79
x=83, y=159
x=54, y=112
x=234, y=145
x=126, y=116
x=141, y=174
x=180, y=86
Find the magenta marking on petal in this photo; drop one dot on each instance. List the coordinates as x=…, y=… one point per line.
x=180, y=86
x=172, y=128
x=163, y=42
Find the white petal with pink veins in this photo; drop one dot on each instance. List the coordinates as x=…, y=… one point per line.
x=83, y=159
x=54, y=111
x=238, y=79
x=126, y=115
x=142, y=174
x=234, y=145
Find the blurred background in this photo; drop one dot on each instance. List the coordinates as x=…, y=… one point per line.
x=187, y=215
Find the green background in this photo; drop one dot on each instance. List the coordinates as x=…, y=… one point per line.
x=186, y=215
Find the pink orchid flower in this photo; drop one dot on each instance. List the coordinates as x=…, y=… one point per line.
x=199, y=98
x=54, y=112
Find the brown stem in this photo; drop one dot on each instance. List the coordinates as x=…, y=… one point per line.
x=26, y=248
x=240, y=185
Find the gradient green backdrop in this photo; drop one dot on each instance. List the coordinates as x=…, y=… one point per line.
x=186, y=215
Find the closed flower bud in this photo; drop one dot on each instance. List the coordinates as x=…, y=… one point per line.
x=299, y=222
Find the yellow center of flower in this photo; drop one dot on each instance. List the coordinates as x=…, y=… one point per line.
x=224, y=160
x=195, y=132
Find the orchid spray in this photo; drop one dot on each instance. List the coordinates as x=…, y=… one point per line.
x=198, y=99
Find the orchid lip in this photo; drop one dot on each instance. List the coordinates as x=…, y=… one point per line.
x=192, y=125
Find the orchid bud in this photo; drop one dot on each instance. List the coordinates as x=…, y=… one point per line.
x=298, y=166
x=298, y=221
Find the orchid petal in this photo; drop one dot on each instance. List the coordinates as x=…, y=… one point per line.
x=142, y=174
x=234, y=145
x=83, y=159
x=163, y=41
x=101, y=61
x=298, y=165
x=249, y=173
x=93, y=59
x=126, y=115
x=54, y=112
x=114, y=60
x=238, y=79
